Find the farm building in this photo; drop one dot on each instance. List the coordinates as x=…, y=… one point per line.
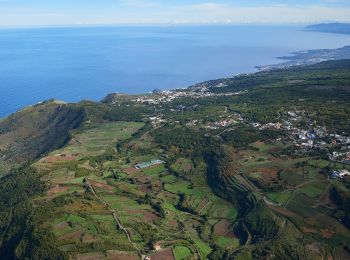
x=148, y=164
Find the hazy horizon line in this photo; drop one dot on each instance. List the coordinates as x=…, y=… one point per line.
x=166, y=24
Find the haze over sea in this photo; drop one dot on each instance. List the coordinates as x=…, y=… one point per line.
x=78, y=63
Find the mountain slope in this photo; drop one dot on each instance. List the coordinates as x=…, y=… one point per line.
x=36, y=130
x=238, y=170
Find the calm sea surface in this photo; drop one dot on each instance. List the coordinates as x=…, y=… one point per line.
x=87, y=63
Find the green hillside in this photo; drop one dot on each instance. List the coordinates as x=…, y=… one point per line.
x=250, y=167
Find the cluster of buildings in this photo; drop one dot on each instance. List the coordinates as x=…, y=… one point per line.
x=221, y=124
x=224, y=122
x=156, y=121
x=339, y=174
x=316, y=137
x=170, y=95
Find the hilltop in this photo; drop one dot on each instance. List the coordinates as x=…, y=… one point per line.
x=254, y=166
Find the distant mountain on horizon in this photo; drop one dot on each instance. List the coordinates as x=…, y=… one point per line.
x=342, y=28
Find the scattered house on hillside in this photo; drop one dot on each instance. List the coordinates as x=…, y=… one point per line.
x=148, y=164
x=309, y=143
x=256, y=125
x=339, y=174
x=292, y=113
x=302, y=135
x=311, y=135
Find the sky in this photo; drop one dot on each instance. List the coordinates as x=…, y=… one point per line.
x=80, y=12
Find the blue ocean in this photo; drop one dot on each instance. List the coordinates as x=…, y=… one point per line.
x=78, y=63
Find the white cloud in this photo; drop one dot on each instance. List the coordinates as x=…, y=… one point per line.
x=153, y=11
x=138, y=3
x=262, y=14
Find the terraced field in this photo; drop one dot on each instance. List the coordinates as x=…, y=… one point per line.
x=109, y=208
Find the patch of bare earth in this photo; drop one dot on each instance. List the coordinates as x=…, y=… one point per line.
x=309, y=230
x=62, y=225
x=283, y=211
x=101, y=185
x=222, y=227
x=267, y=175
x=59, y=158
x=326, y=233
x=87, y=238
x=118, y=255
x=146, y=188
x=57, y=189
x=76, y=235
x=163, y=254
x=258, y=144
x=147, y=215
x=130, y=170
x=90, y=256
x=172, y=223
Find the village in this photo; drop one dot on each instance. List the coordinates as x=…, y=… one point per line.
x=159, y=97
x=305, y=140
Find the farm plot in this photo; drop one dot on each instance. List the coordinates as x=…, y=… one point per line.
x=182, y=166
x=279, y=197
x=97, y=140
x=182, y=252
x=313, y=189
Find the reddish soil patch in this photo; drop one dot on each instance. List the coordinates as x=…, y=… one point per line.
x=113, y=255
x=310, y=221
x=123, y=187
x=267, y=175
x=147, y=215
x=274, y=150
x=142, y=178
x=172, y=223
x=283, y=211
x=230, y=234
x=87, y=238
x=222, y=227
x=309, y=230
x=62, y=225
x=102, y=185
x=326, y=233
x=59, y=158
x=164, y=254
x=130, y=170
x=325, y=199
x=74, y=236
x=146, y=188
x=258, y=143
x=57, y=189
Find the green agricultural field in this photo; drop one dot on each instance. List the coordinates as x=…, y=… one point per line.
x=154, y=170
x=279, y=197
x=313, y=189
x=96, y=140
x=320, y=164
x=292, y=177
x=203, y=248
x=181, y=252
x=227, y=242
